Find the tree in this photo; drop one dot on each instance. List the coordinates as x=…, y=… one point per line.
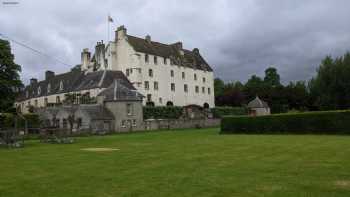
x=10, y=82
x=218, y=86
x=272, y=78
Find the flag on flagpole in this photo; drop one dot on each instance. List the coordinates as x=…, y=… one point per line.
x=110, y=19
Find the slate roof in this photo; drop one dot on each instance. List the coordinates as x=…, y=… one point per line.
x=119, y=92
x=257, y=103
x=190, y=59
x=96, y=112
x=74, y=81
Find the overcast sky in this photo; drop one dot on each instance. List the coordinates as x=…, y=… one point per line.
x=238, y=38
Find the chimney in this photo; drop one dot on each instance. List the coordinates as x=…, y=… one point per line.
x=85, y=59
x=120, y=33
x=178, y=45
x=49, y=74
x=33, y=81
x=148, y=38
x=100, y=54
x=196, y=50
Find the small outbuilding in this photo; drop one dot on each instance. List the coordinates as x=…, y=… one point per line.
x=258, y=107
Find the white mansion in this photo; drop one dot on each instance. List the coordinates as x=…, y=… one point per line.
x=166, y=74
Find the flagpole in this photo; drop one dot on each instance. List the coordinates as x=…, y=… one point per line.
x=108, y=28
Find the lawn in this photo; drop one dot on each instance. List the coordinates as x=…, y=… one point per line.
x=180, y=163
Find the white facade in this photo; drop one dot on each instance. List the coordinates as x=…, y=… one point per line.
x=154, y=79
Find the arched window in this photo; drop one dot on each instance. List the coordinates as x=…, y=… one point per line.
x=150, y=104
x=206, y=106
x=169, y=104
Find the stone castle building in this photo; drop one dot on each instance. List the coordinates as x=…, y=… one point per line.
x=165, y=74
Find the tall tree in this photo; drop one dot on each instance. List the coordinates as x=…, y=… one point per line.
x=10, y=82
x=272, y=78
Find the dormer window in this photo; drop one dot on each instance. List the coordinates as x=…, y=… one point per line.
x=146, y=58
x=61, y=86
x=39, y=90
x=48, y=88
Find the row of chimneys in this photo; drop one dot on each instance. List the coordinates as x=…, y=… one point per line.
x=48, y=75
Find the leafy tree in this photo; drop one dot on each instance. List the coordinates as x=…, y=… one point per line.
x=10, y=82
x=272, y=78
x=218, y=87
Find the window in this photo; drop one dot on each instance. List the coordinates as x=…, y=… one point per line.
x=127, y=72
x=146, y=85
x=58, y=99
x=39, y=90
x=173, y=87
x=48, y=88
x=28, y=103
x=171, y=73
x=195, y=77
x=183, y=75
x=150, y=72
x=185, y=88
x=164, y=59
x=134, y=123
x=27, y=94
x=203, y=90
x=36, y=103
x=155, y=60
x=139, y=69
x=146, y=58
x=208, y=90
x=197, y=89
x=155, y=85
x=149, y=97
x=129, y=109
x=45, y=102
x=61, y=86
x=160, y=100
x=123, y=123
x=203, y=79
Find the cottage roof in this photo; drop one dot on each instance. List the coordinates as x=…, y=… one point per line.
x=75, y=80
x=96, y=112
x=117, y=91
x=190, y=59
x=257, y=103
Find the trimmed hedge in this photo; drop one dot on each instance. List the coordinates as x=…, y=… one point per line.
x=219, y=112
x=7, y=120
x=162, y=112
x=325, y=122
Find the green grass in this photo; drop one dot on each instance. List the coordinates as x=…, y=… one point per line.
x=181, y=163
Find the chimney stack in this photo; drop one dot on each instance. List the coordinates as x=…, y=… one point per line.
x=33, y=81
x=196, y=50
x=85, y=59
x=49, y=74
x=148, y=38
x=120, y=33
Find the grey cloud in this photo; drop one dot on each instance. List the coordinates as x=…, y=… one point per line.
x=238, y=38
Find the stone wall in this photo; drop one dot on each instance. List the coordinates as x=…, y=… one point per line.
x=153, y=124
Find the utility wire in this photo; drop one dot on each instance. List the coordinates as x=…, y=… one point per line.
x=36, y=51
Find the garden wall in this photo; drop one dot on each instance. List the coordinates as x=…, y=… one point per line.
x=155, y=124
x=325, y=122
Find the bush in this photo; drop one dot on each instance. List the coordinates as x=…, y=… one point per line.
x=7, y=120
x=161, y=112
x=326, y=122
x=219, y=112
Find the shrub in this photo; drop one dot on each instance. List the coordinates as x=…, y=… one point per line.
x=162, y=112
x=326, y=122
x=219, y=112
x=7, y=120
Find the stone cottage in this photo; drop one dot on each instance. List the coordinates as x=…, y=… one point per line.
x=258, y=107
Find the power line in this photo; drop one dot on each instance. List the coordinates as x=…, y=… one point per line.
x=35, y=50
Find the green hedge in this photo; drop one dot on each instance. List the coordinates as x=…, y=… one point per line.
x=7, y=120
x=325, y=122
x=219, y=112
x=161, y=112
